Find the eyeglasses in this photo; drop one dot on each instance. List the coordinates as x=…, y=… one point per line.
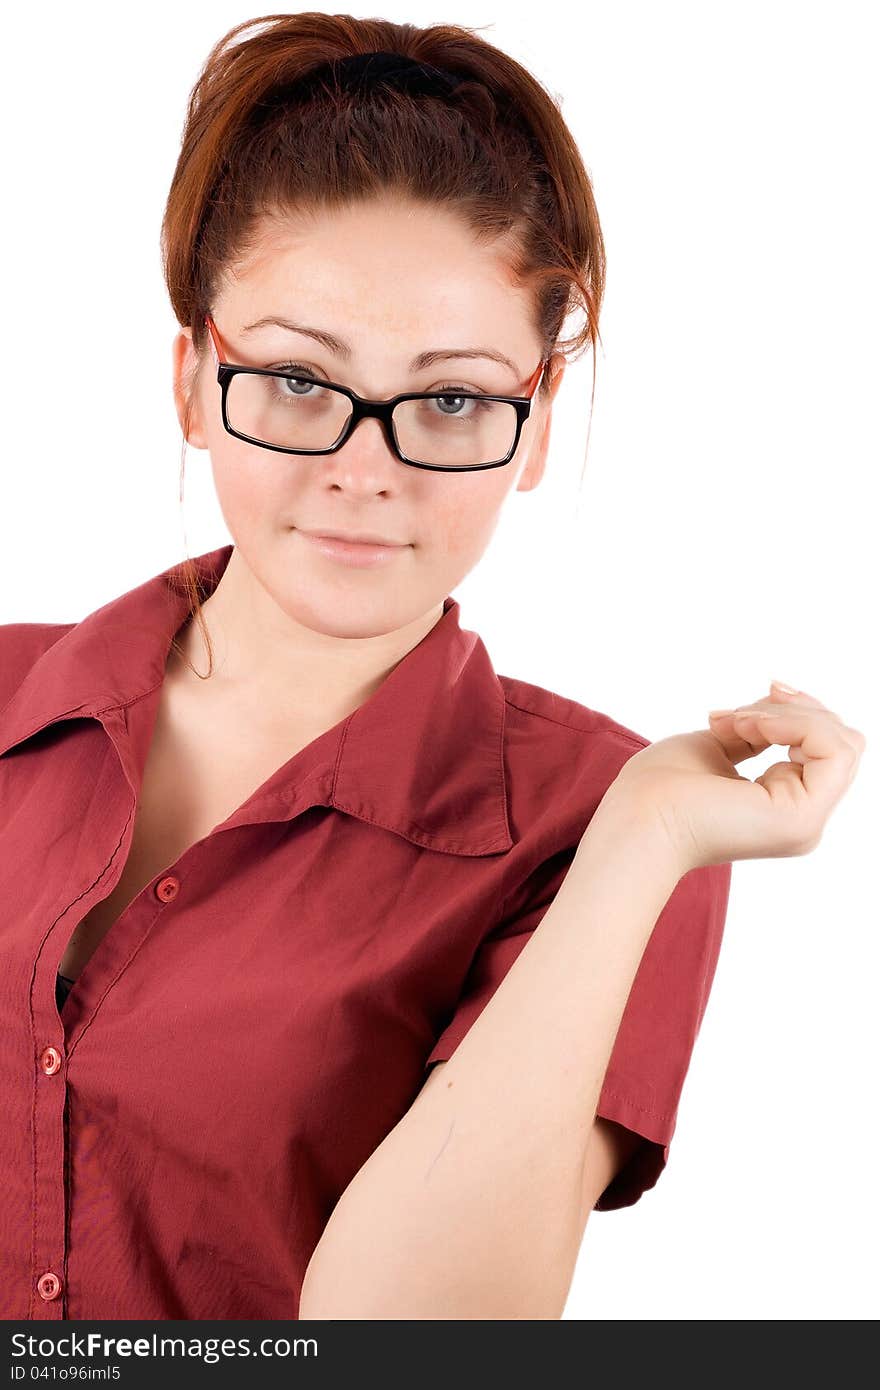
x=297, y=412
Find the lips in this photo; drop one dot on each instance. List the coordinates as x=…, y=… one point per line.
x=362, y=553
x=352, y=537
x=351, y=540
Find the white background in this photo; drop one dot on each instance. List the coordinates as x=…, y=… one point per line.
x=725, y=532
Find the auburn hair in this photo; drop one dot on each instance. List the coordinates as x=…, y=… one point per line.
x=271, y=129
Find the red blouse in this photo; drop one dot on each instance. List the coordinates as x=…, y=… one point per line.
x=261, y=1015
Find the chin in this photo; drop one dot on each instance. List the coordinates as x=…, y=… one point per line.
x=349, y=613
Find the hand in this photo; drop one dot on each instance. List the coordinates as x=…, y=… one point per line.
x=711, y=814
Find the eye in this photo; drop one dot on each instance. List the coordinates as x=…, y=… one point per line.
x=453, y=401
x=309, y=377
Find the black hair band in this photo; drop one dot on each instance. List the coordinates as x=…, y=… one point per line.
x=361, y=70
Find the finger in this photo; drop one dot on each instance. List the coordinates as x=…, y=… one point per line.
x=850, y=735
x=827, y=756
x=785, y=783
x=814, y=707
x=740, y=737
x=781, y=695
x=743, y=735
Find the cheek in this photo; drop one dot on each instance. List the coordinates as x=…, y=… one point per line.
x=470, y=513
x=250, y=485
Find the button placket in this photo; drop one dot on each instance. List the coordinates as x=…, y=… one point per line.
x=51, y=1199
x=51, y=1060
x=49, y=1213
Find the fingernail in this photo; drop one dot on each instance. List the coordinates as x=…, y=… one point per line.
x=787, y=689
x=718, y=713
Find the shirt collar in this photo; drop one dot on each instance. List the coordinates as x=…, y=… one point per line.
x=422, y=756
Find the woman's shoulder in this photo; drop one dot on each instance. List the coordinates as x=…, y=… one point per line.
x=561, y=755
x=549, y=717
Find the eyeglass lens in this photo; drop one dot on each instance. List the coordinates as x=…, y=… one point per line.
x=451, y=430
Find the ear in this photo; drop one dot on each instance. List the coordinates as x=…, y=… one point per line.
x=537, y=460
x=185, y=364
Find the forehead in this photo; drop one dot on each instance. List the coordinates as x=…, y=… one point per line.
x=380, y=266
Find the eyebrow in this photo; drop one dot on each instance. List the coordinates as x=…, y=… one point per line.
x=424, y=359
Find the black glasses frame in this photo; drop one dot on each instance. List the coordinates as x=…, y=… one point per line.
x=363, y=409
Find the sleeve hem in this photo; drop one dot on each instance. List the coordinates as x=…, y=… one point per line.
x=646, y=1164
x=651, y=1124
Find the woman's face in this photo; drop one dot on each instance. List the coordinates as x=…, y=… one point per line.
x=389, y=280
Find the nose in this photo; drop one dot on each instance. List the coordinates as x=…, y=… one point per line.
x=366, y=462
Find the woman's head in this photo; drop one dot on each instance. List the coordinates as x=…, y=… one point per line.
x=417, y=212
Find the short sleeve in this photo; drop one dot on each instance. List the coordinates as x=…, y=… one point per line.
x=652, y=1051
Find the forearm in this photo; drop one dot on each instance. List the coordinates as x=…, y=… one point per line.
x=471, y=1206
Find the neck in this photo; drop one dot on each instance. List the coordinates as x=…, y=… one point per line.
x=277, y=670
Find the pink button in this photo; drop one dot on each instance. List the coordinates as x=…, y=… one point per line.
x=167, y=888
x=48, y=1286
x=50, y=1060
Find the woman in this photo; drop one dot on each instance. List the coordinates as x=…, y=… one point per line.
x=342, y=976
